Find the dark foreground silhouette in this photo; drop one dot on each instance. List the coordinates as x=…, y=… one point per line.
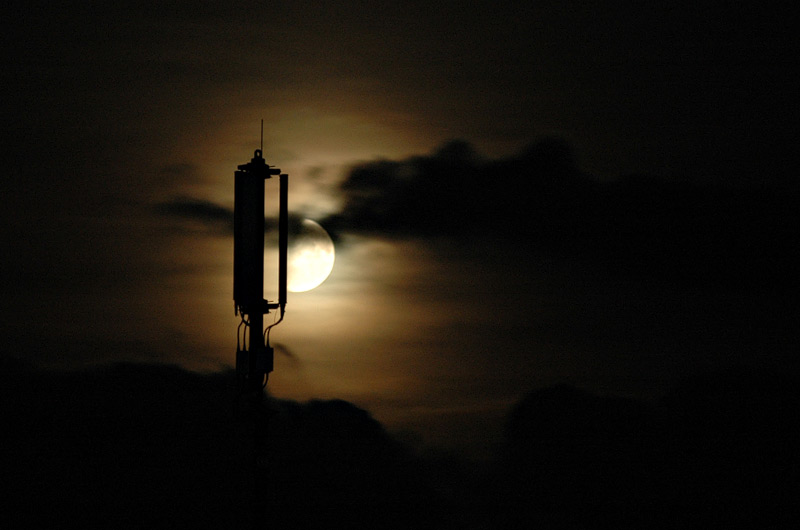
x=142, y=446
x=716, y=453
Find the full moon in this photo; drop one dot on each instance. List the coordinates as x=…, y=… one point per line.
x=310, y=257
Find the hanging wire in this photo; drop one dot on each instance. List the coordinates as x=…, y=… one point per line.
x=242, y=333
x=274, y=323
x=266, y=330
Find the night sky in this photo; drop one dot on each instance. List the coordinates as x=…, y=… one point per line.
x=600, y=195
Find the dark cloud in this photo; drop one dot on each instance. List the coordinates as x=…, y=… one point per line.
x=153, y=445
x=455, y=192
x=217, y=219
x=125, y=445
x=288, y=354
x=541, y=199
x=717, y=446
x=213, y=216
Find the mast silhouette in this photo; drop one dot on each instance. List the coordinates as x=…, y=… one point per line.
x=254, y=356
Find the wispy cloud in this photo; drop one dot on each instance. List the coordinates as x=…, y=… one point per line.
x=211, y=216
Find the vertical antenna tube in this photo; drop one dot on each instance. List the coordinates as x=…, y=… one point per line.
x=283, y=238
x=248, y=251
x=257, y=294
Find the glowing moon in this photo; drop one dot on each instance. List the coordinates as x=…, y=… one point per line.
x=310, y=257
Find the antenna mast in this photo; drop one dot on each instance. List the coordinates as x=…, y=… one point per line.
x=254, y=360
x=254, y=357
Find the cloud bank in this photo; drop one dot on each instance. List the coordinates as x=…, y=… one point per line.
x=133, y=445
